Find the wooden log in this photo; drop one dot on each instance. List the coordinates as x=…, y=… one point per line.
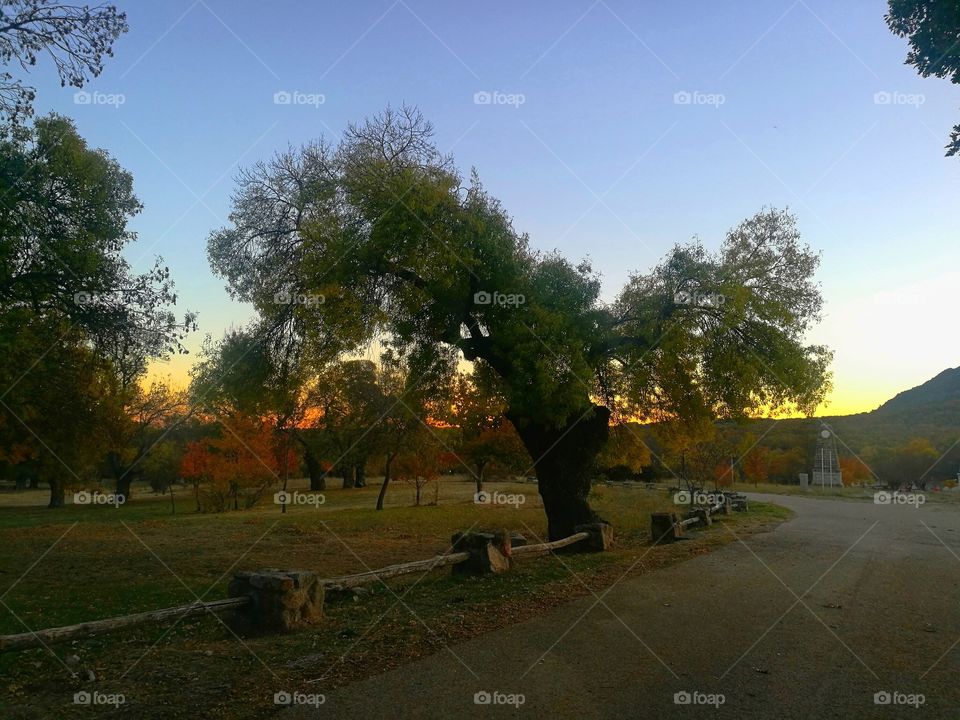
x=50, y=636
x=547, y=547
x=348, y=581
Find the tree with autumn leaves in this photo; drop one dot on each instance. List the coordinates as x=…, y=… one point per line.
x=237, y=467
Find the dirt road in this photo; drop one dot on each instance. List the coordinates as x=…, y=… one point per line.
x=812, y=620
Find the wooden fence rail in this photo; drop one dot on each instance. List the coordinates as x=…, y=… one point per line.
x=51, y=636
x=280, y=600
x=543, y=548
x=348, y=581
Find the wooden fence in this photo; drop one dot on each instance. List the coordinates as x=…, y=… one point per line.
x=668, y=527
x=272, y=600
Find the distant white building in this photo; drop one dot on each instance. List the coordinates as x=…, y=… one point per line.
x=826, y=461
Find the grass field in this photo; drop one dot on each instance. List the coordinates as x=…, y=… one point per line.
x=848, y=493
x=83, y=563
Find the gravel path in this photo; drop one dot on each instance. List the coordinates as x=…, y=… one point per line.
x=846, y=600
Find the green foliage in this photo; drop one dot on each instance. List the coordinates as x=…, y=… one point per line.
x=61, y=254
x=53, y=412
x=906, y=464
x=385, y=242
x=76, y=323
x=161, y=467
x=625, y=452
x=933, y=28
x=402, y=248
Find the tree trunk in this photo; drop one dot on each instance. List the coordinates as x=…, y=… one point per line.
x=480, y=467
x=123, y=486
x=386, y=481
x=56, y=492
x=318, y=478
x=121, y=474
x=347, y=472
x=564, y=460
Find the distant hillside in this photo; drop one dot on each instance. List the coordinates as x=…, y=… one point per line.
x=939, y=393
x=930, y=411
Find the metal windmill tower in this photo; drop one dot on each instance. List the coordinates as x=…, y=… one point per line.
x=826, y=461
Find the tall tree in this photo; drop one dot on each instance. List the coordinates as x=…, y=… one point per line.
x=64, y=209
x=933, y=30
x=402, y=247
x=52, y=409
x=74, y=37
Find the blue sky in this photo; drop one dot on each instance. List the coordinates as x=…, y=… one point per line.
x=804, y=104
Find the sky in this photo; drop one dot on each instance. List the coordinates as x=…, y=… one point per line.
x=609, y=129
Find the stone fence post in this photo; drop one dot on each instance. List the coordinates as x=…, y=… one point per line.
x=280, y=600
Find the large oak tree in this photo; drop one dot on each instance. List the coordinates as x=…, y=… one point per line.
x=404, y=249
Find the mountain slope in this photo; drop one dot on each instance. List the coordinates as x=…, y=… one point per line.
x=941, y=392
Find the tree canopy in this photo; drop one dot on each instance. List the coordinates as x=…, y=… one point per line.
x=933, y=30
x=75, y=38
x=67, y=292
x=403, y=249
